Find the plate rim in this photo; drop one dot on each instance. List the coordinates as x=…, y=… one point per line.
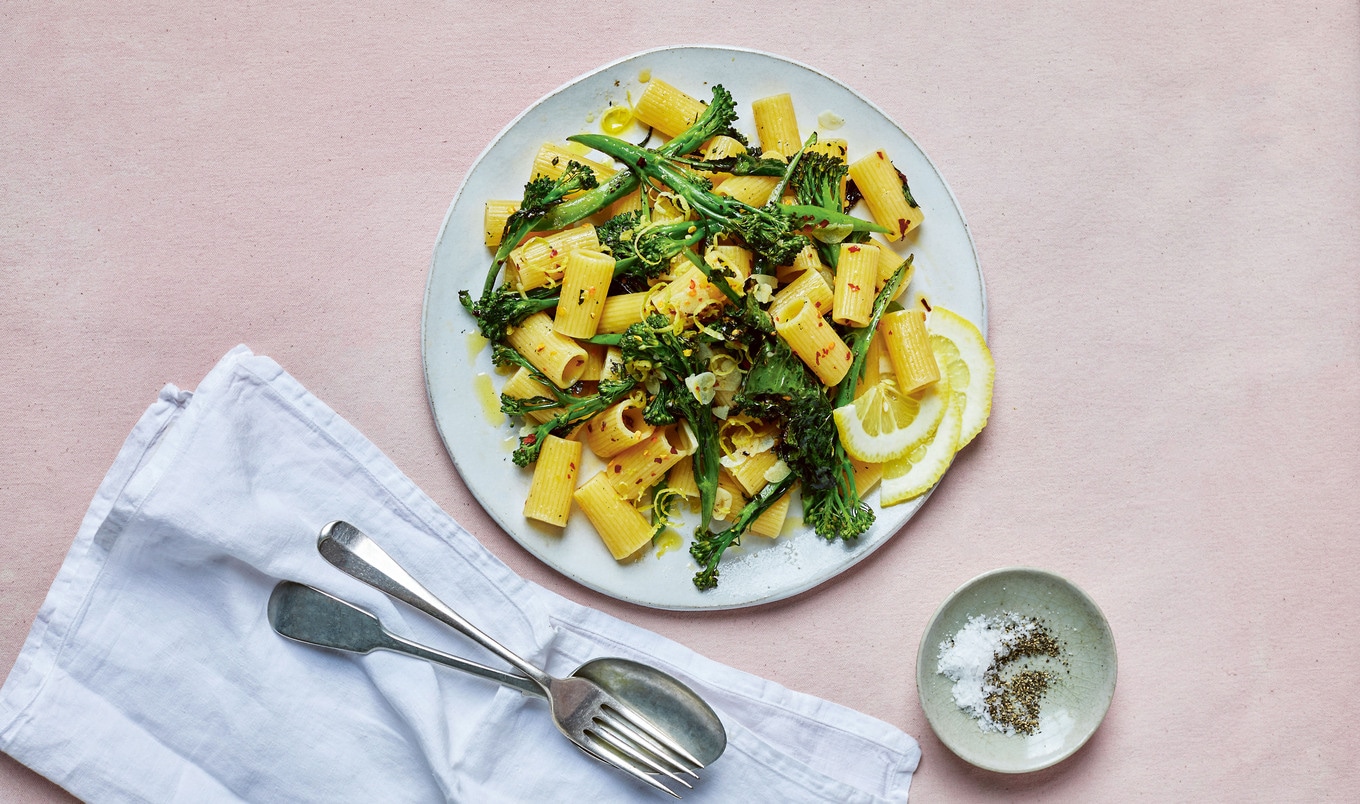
x=922, y=673
x=760, y=599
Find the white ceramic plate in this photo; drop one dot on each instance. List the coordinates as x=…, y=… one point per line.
x=1072, y=707
x=761, y=570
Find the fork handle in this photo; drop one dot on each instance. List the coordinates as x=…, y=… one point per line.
x=357, y=555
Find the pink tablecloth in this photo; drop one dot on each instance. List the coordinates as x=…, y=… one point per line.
x=1164, y=199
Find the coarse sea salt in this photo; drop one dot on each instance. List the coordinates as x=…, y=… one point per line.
x=970, y=659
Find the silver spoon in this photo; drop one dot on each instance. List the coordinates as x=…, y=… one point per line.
x=657, y=696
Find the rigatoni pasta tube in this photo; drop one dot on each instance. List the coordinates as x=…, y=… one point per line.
x=560, y=358
x=522, y=385
x=596, y=359
x=805, y=260
x=811, y=287
x=750, y=473
x=814, y=341
x=585, y=284
x=616, y=428
x=856, y=280
x=622, y=528
x=771, y=523
x=539, y=261
x=680, y=479
x=622, y=311
x=888, y=263
x=493, y=220
x=908, y=344
x=639, y=467
x=867, y=476
x=753, y=190
x=552, y=159
x=885, y=193
x=554, y=481
x=667, y=109
x=776, y=124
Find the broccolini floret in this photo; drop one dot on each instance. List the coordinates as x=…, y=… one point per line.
x=505, y=307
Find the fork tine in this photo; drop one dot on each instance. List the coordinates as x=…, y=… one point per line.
x=618, y=761
x=618, y=739
x=647, y=727
x=605, y=718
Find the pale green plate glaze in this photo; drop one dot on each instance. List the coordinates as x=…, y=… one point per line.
x=1075, y=703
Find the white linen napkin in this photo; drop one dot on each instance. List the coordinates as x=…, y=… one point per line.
x=151, y=673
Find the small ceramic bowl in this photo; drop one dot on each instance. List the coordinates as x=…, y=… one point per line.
x=1080, y=690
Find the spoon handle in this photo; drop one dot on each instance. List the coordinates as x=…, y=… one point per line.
x=355, y=554
x=308, y=615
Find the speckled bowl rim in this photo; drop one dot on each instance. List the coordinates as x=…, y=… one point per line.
x=922, y=672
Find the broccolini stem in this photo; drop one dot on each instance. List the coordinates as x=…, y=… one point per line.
x=708, y=548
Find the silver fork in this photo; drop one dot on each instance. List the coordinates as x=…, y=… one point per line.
x=590, y=717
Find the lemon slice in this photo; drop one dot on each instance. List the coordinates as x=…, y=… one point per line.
x=884, y=423
x=962, y=352
x=914, y=474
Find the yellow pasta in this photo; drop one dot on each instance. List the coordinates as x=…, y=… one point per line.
x=908, y=344
x=522, y=385
x=554, y=481
x=638, y=468
x=666, y=109
x=731, y=497
x=771, y=523
x=867, y=476
x=622, y=528
x=750, y=473
x=494, y=218
x=551, y=162
x=888, y=263
x=814, y=341
x=776, y=124
x=539, y=261
x=753, y=190
x=885, y=193
x=856, y=280
x=736, y=258
x=616, y=428
x=810, y=287
x=596, y=357
x=806, y=260
x=680, y=479
x=560, y=358
x=622, y=311
x=585, y=284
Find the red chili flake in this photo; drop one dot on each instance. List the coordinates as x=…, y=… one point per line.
x=881, y=155
x=852, y=250
x=571, y=466
x=618, y=468
x=925, y=304
x=658, y=460
x=530, y=439
x=673, y=450
x=553, y=253
x=852, y=286
x=903, y=224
